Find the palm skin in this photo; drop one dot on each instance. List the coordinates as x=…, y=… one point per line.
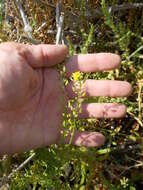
x=31, y=91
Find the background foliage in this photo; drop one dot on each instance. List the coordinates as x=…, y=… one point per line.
x=89, y=26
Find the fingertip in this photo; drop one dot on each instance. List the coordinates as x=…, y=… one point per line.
x=101, y=139
x=123, y=110
x=118, y=60
x=128, y=88
x=97, y=140
x=113, y=59
x=63, y=47
x=88, y=139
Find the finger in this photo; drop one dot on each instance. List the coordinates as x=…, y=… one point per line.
x=46, y=55
x=92, y=62
x=38, y=55
x=104, y=110
x=87, y=139
x=104, y=88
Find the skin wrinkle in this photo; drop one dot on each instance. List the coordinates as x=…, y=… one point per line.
x=33, y=117
x=38, y=104
x=25, y=54
x=44, y=57
x=42, y=126
x=109, y=90
x=107, y=109
x=52, y=99
x=38, y=89
x=61, y=108
x=33, y=85
x=28, y=56
x=86, y=140
x=30, y=126
x=69, y=67
x=33, y=92
x=113, y=110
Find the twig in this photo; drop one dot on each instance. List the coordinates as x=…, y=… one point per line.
x=40, y=27
x=136, y=118
x=27, y=27
x=31, y=40
x=140, y=86
x=126, y=6
x=134, y=166
x=57, y=15
x=59, y=31
x=97, y=13
x=21, y=165
x=59, y=24
x=65, y=32
x=136, y=161
x=48, y=4
x=135, y=52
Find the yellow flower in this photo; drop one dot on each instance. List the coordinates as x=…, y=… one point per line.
x=76, y=76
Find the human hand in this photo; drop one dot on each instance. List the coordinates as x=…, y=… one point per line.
x=31, y=90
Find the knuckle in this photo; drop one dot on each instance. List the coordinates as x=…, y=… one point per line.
x=43, y=55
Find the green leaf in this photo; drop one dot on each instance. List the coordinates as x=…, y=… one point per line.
x=132, y=188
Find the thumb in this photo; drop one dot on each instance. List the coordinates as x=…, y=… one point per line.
x=45, y=55
x=38, y=55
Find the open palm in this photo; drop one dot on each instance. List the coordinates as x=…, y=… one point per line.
x=31, y=90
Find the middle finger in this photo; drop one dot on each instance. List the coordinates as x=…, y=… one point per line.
x=106, y=88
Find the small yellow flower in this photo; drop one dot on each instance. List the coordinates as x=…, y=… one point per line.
x=76, y=76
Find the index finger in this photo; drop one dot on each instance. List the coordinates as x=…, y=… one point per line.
x=92, y=62
x=42, y=55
